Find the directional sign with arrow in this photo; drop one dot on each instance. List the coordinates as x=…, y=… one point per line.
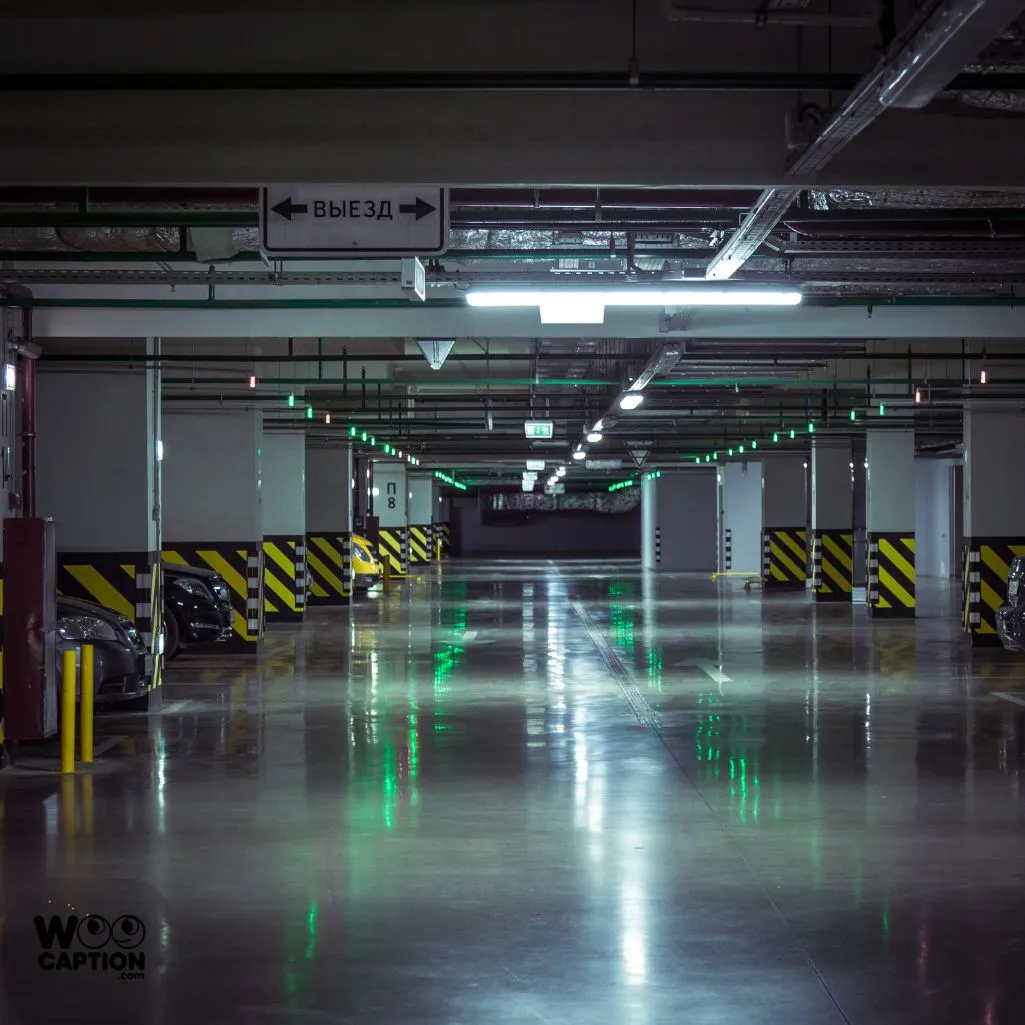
x=353, y=220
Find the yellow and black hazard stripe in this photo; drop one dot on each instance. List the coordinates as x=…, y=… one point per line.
x=240, y=564
x=784, y=557
x=125, y=582
x=833, y=565
x=284, y=577
x=891, y=574
x=986, y=569
x=393, y=545
x=329, y=568
x=444, y=531
x=420, y=543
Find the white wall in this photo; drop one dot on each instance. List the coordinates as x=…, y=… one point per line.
x=421, y=497
x=933, y=521
x=284, y=482
x=742, y=512
x=391, y=500
x=211, y=475
x=96, y=458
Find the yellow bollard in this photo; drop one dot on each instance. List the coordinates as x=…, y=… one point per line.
x=68, y=712
x=437, y=550
x=86, y=704
x=386, y=575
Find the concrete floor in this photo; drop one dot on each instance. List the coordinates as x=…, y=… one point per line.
x=522, y=793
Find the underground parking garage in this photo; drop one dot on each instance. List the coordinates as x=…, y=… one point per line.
x=512, y=512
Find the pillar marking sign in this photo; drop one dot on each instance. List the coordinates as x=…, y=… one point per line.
x=353, y=220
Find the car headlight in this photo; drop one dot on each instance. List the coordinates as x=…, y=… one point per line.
x=85, y=628
x=131, y=631
x=193, y=587
x=220, y=589
x=361, y=553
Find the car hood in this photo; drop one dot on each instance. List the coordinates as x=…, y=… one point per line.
x=79, y=607
x=178, y=570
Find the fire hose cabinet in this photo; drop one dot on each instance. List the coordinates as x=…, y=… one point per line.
x=31, y=704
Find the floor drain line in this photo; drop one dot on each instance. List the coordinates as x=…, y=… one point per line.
x=646, y=715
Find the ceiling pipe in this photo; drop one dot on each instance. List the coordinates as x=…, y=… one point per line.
x=768, y=16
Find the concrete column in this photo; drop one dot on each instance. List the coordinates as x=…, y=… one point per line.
x=832, y=519
x=421, y=534
x=98, y=477
x=784, y=522
x=212, y=506
x=994, y=525
x=329, y=497
x=442, y=518
x=741, y=490
x=284, y=526
x=890, y=522
x=686, y=516
x=391, y=507
x=649, y=522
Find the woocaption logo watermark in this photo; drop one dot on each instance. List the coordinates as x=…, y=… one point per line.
x=92, y=943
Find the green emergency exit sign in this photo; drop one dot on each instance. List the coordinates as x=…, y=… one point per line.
x=537, y=428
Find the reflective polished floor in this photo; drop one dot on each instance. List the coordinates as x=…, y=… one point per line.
x=529, y=792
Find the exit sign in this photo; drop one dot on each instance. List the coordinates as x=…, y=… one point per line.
x=538, y=428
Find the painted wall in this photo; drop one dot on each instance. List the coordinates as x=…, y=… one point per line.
x=421, y=497
x=392, y=499
x=96, y=458
x=212, y=476
x=687, y=504
x=284, y=482
x=328, y=489
x=546, y=534
x=934, y=549
x=742, y=513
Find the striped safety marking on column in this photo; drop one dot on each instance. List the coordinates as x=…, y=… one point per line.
x=446, y=537
x=284, y=578
x=391, y=546
x=419, y=544
x=326, y=564
x=784, y=557
x=987, y=567
x=891, y=575
x=239, y=564
x=658, y=544
x=728, y=549
x=833, y=565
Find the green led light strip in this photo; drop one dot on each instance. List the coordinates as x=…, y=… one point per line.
x=450, y=480
x=386, y=447
x=782, y=435
x=631, y=481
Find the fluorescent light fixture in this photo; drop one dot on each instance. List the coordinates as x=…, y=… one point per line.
x=535, y=464
x=160, y=450
x=594, y=437
x=579, y=454
x=588, y=302
x=327, y=418
x=252, y=380
x=599, y=424
x=561, y=471
x=10, y=377
x=631, y=400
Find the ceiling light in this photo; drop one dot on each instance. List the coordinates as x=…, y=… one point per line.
x=252, y=380
x=918, y=395
x=535, y=464
x=598, y=425
x=631, y=400
x=587, y=306
x=561, y=471
x=594, y=437
x=982, y=376
x=579, y=454
x=327, y=418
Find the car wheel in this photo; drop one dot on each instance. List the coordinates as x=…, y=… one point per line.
x=172, y=636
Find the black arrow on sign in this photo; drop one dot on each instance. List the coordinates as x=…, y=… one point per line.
x=286, y=208
x=421, y=208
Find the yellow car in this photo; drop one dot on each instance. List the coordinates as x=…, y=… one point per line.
x=366, y=569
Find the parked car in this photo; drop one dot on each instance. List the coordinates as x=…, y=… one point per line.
x=197, y=607
x=122, y=666
x=1011, y=615
x=366, y=568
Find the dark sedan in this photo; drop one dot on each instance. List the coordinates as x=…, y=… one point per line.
x=123, y=667
x=1011, y=615
x=197, y=607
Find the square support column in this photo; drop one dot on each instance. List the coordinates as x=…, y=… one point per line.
x=212, y=509
x=284, y=526
x=98, y=478
x=421, y=531
x=890, y=523
x=785, y=523
x=994, y=493
x=832, y=519
x=391, y=505
x=329, y=496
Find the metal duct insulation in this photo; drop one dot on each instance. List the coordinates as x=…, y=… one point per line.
x=770, y=14
x=910, y=199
